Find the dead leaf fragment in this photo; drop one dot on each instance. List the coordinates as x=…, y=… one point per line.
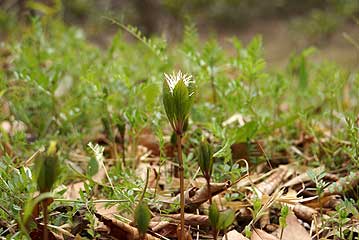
x=234, y=235
x=294, y=230
x=305, y=213
x=258, y=234
x=121, y=230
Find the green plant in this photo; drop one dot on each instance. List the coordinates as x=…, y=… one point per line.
x=320, y=184
x=142, y=214
x=47, y=172
x=178, y=93
x=283, y=219
x=220, y=220
x=205, y=162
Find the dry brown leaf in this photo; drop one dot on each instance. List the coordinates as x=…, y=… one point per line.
x=141, y=171
x=330, y=201
x=122, y=230
x=258, y=234
x=105, y=211
x=305, y=213
x=294, y=230
x=190, y=219
x=343, y=185
x=303, y=177
x=234, y=235
x=164, y=228
x=265, y=219
x=194, y=196
x=269, y=185
x=73, y=190
x=245, y=150
x=38, y=234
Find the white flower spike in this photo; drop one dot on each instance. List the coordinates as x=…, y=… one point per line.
x=174, y=78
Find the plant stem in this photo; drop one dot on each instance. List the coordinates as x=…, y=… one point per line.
x=209, y=191
x=214, y=94
x=44, y=210
x=123, y=152
x=208, y=179
x=180, y=162
x=281, y=233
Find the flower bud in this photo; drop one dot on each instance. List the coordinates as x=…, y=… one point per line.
x=142, y=217
x=178, y=94
x=205, y=158
x=47, y=169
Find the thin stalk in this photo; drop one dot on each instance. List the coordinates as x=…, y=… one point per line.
x=225, y=235
x=209, y=191
x=281, y=233
x=44, y=210
x=123, y=152
x=208, y=179
x=146, y=184
x=181, y=175
x=214, y=94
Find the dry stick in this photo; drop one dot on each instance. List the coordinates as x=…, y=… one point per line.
x=180, y=161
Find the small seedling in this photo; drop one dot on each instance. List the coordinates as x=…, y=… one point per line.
x=320, y=185
x=205, y=161
x=283, y=219
x=178, y=92
x=220, y=220
x=142, y=214
x=121, y=126
x=47, y=170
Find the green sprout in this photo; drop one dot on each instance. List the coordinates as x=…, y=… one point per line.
x=220, y=220
x=205, y=161
x=178, y=93
x=283, y=219
x=142, y=214
x=47, y=172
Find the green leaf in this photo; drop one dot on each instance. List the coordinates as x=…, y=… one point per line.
x=182, y=102
x=226, y=219
x=142, y=217
x=247, y=131
x=168, y=102
x=247, y=231
x=257, y=205
x=92, y=167
x=283, y=216
x=213, y=215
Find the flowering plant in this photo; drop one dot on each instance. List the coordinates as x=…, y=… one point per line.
x=178, y=92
